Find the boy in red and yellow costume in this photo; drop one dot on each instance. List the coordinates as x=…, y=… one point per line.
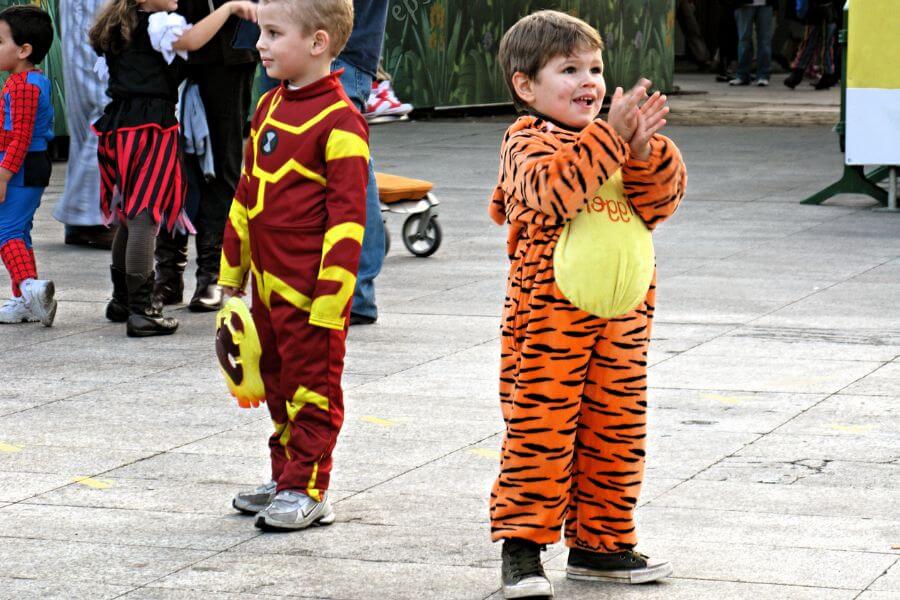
x=296, y=224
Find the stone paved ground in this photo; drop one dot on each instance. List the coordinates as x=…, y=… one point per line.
x=774, y=450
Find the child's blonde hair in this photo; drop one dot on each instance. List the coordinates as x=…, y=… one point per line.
x=112, y=29
x=332, y=16
x=530, y=44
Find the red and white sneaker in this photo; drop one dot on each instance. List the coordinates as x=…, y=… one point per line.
x=383, y=103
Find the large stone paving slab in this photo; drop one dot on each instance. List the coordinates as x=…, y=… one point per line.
x=772, y=459
x=332, y=577
x=104, y=562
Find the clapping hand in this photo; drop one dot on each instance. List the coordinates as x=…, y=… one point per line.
x=623, y=109
x=650, y=119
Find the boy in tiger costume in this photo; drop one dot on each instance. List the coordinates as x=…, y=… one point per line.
x=580, y=196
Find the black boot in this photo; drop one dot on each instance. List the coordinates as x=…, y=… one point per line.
x=208, y=295
x=826, y=81
x=171, y=259
x=794, y=79
x=144, y=319
x=117, y=308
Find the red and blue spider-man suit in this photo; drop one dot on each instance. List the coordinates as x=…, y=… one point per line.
x=27, y=127
x=296, y=224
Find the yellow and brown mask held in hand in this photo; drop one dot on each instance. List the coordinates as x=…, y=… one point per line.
x=238, y=350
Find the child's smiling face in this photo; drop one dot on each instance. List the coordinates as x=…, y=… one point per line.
x=568, y=89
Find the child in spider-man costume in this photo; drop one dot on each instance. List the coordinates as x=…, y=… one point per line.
x=297, y=224
x=26, y=126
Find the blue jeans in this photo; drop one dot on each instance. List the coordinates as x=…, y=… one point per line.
x=17, y=213
x=745, y=17
x=358, y=84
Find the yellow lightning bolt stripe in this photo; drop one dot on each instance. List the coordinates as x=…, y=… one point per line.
x=311, y=490
x=302, y=397
x=284, y=436
x=275, y=285
x=233, y=275
x=345, y=144
x=327, y=310
x=265, y=177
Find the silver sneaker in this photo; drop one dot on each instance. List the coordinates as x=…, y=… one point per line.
x=252, y=501
x=295, y=510
x=38, y=295
x=15, y=311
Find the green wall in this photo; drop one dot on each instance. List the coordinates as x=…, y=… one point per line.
x=444, y=52
x=52, y=65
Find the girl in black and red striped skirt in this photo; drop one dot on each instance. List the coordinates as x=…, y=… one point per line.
x=142, y=186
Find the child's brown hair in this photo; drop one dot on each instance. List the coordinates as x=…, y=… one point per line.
x=111, y=32
x=30, y=25
x=333, y=16
x=530, y=44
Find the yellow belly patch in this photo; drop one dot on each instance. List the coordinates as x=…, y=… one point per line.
x=604, y=258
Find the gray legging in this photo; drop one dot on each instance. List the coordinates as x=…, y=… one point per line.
x=133, y=246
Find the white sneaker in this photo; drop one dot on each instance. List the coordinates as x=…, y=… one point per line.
x=38, y=295
x=295, y=510
x=253, y=501
x=15, y=311
x=382, y=102
x=762, y=82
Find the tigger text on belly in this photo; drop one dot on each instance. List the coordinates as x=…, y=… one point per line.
x=616, y=210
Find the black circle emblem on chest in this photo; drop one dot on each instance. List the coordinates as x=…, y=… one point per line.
x=269, y=142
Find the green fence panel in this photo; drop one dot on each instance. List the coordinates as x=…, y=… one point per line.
x=444, y=52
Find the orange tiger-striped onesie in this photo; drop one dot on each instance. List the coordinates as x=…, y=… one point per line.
x=572, y=384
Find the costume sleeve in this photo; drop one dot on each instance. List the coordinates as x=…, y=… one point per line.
x=558, y=180
x=346, y=175
x=23, y=106
x=235, y=262
x=656, y=186
x=234, y=265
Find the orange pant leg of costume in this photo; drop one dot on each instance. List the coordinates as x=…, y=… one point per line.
x=573, y=395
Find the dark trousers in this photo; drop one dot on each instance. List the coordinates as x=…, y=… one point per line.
x=226, y=93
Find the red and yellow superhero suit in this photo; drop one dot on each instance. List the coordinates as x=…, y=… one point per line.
x=572, y=382
x=296, y=224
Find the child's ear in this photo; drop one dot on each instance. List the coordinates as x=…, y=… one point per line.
x=524, y=87
x=320, y=42
x=24, y=51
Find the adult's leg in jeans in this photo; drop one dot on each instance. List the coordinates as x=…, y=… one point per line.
x=358, y=85
x=744, y=18
x=764, y=28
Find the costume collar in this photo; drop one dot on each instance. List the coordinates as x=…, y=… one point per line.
x=321, y=86
x=543, y=117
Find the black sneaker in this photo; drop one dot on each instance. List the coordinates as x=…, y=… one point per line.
x=357, y=319
x=522, y=574
x=621, y=567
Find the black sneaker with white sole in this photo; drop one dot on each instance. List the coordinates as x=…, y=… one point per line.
x=620, y=567
x=522, y=573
